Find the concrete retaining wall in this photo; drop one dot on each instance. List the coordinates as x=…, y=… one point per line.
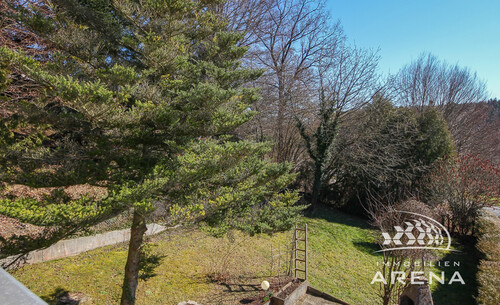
x=70, y=247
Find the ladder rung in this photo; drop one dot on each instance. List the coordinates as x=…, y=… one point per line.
x=300, y=239
x=300, y=260
x=299, y=229
x=300, y=250
x=299, y=270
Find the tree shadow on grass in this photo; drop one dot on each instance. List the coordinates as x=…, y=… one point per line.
x=240, y=287
x=236, y=293
x=62, y=296
x=336, y=216
x=457, y=293
x=148, y=264
x=368, y=247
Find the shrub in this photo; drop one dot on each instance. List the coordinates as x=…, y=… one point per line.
x=383, y=150
x=464, y=185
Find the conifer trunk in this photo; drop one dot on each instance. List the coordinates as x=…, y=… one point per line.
x=134, y=253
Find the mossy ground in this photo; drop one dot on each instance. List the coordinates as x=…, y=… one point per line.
x=183, y=262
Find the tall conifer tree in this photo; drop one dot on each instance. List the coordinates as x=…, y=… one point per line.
x=139, y=97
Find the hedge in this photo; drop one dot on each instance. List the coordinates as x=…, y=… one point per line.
x=489, y=267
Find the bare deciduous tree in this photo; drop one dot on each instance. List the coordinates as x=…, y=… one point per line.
x=450, y=88
x=245, y=16
x=463, y=186
x=287, y=39
x=477, y=130
x=348, y=80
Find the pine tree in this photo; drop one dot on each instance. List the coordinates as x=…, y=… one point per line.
x=140, y=98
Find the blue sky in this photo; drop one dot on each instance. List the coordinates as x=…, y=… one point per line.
x=459, y=31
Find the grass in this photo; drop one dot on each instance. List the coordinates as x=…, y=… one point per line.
x=342, y=262
x=189, y=264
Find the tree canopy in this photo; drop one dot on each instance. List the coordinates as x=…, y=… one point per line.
x=139, y=98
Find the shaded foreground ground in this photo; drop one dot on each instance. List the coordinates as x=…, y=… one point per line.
x=312, y=300
x=188, y=264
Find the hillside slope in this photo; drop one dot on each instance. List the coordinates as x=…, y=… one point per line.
x=189, y=264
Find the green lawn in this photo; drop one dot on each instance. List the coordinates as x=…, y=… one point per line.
x=341, y=262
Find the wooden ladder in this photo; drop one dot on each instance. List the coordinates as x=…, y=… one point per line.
x=300, y=251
